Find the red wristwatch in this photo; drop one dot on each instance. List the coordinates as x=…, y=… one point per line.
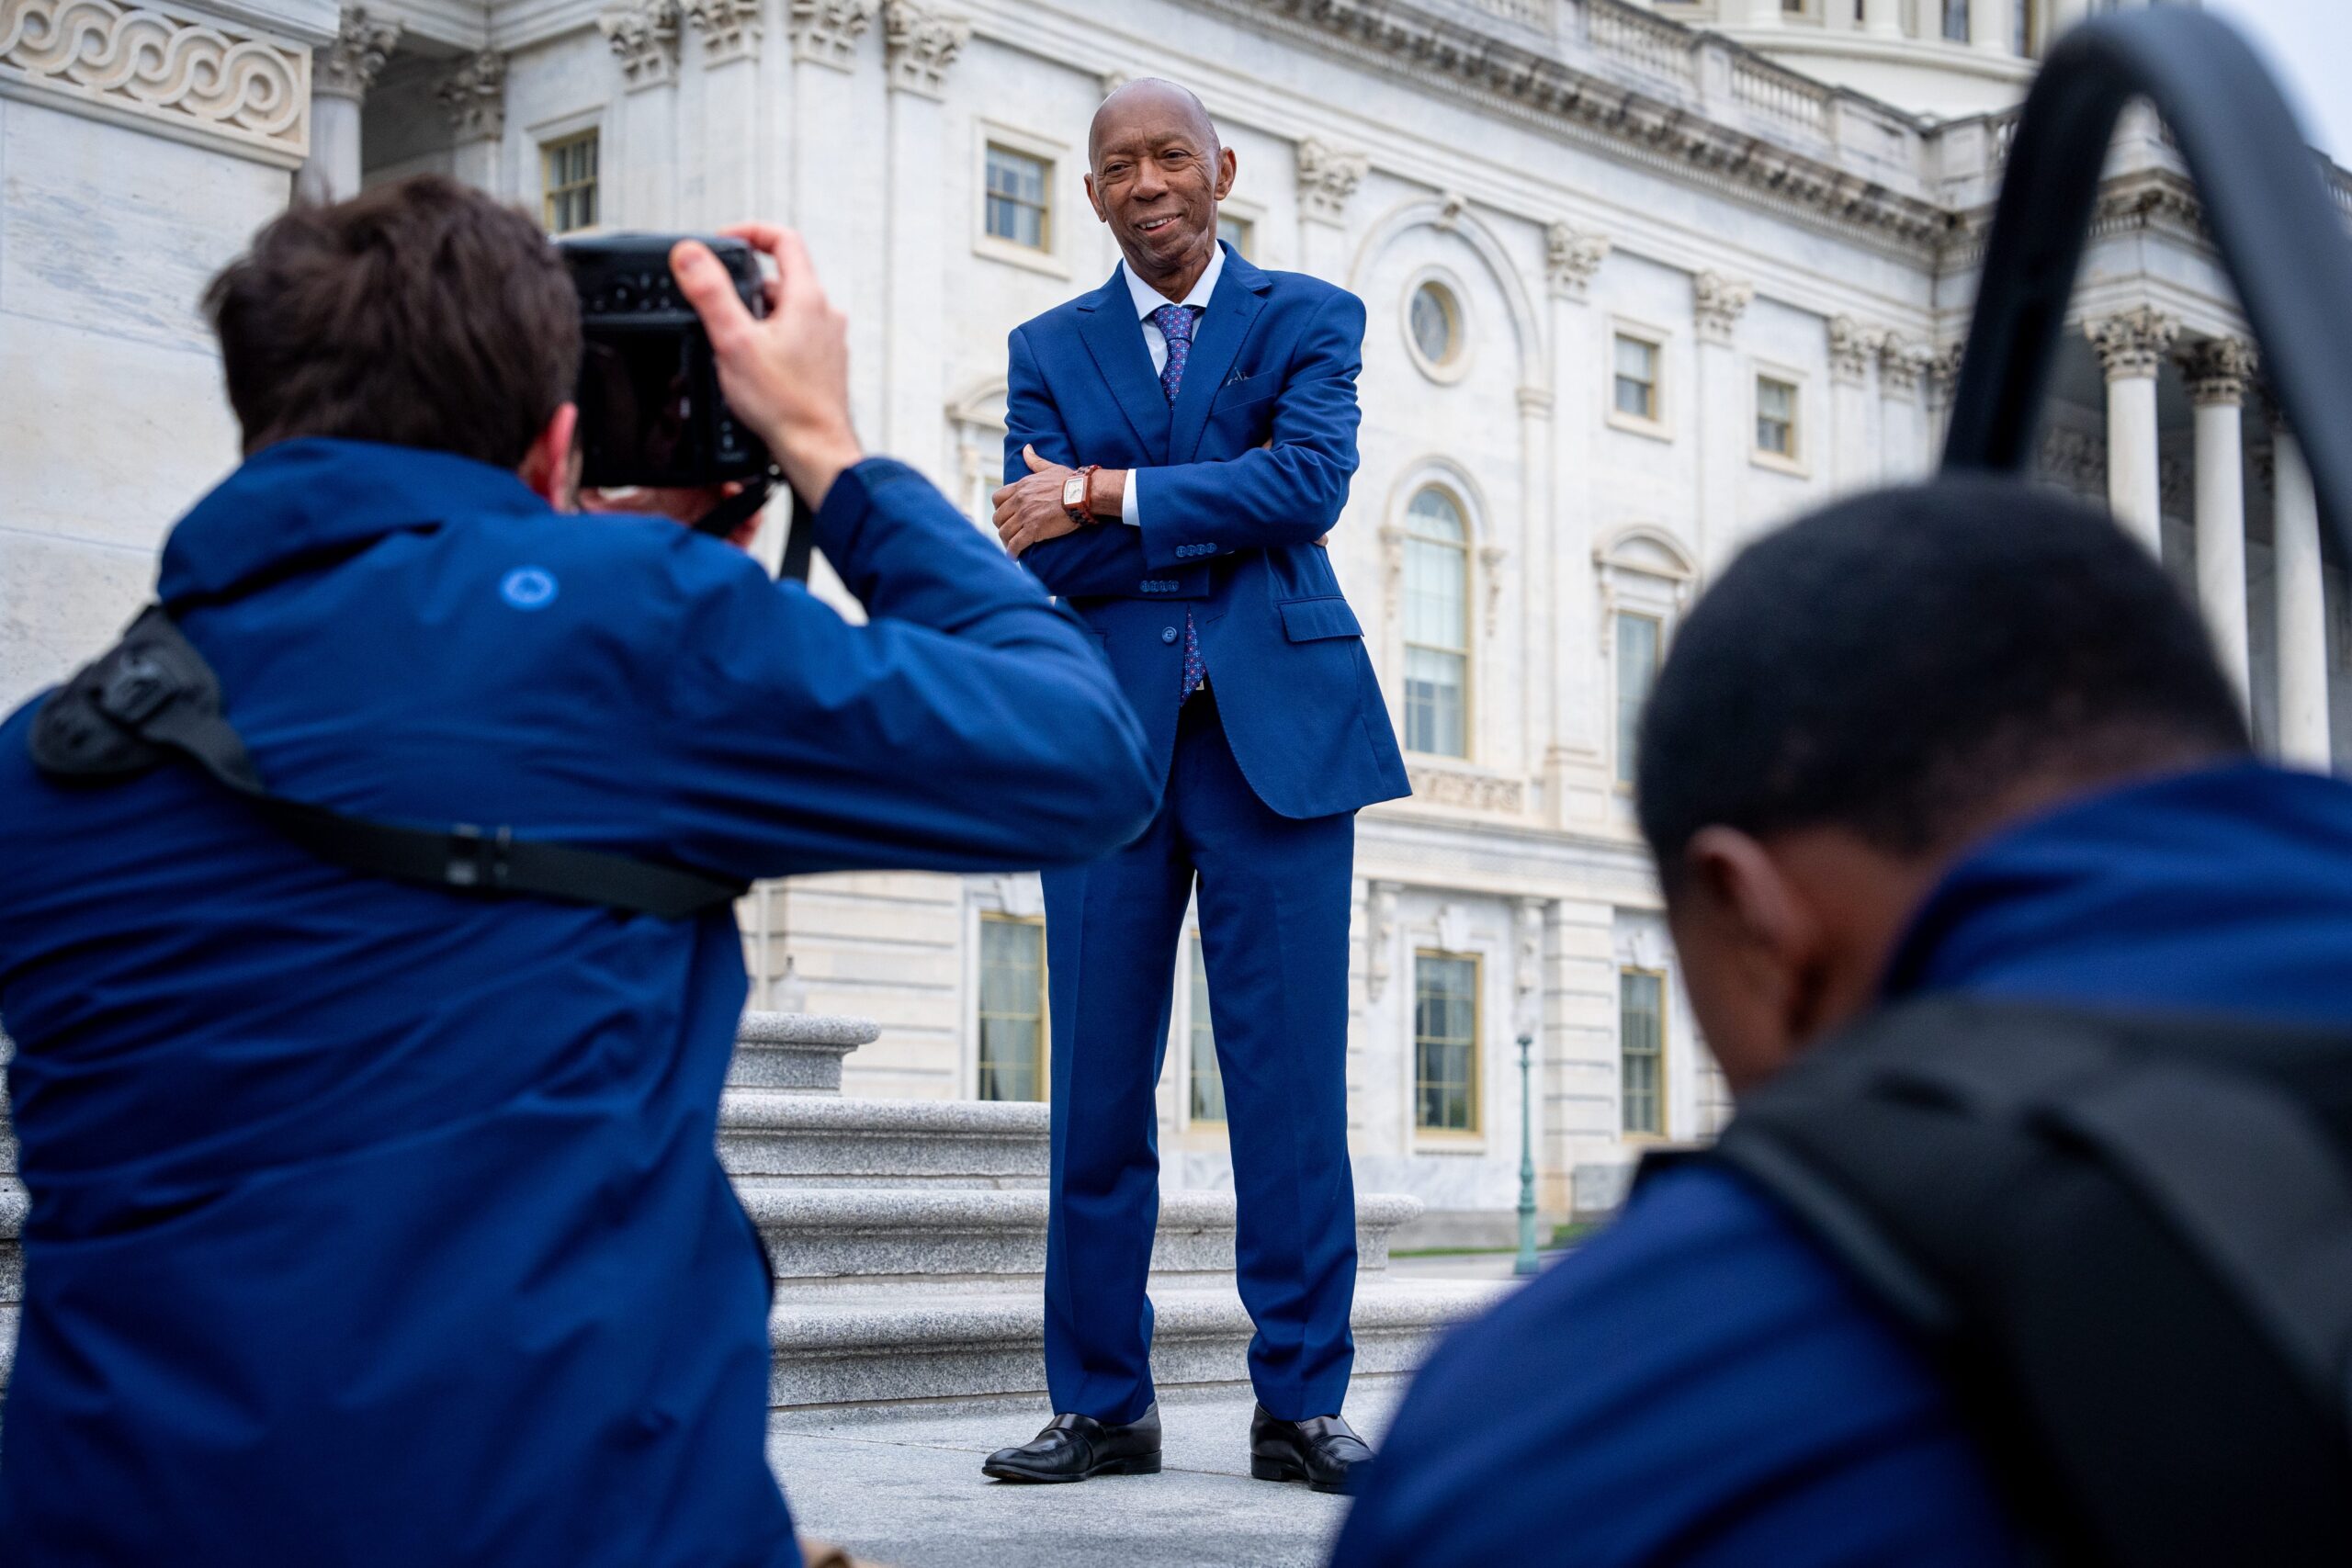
x=1074, y=490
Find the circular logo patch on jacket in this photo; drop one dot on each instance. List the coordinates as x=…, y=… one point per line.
x=528, y=588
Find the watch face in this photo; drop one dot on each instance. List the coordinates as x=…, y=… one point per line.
x=1073, y=490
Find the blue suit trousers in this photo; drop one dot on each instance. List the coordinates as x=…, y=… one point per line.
x=1273, y=905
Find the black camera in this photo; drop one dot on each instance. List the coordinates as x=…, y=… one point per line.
x=651, y=412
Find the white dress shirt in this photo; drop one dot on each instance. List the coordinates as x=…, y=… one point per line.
x=1147, y=301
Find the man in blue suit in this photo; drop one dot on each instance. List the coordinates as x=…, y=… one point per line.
x=1178, y=443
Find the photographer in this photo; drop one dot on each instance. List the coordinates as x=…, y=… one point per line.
x=377, y=1223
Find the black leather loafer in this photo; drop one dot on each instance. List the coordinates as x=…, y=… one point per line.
x=1072, y=1447
x=1322, y=1450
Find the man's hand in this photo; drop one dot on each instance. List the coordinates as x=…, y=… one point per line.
x=686, y=506
x=786, y=374
x=1029, y=511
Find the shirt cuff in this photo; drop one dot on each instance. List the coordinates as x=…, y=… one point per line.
x=1131, y=505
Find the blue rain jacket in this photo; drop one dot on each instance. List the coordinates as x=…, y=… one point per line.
x=1700, y=1384
x=373, y=1223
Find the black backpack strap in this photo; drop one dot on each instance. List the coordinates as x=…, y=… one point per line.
x=153, y=696
x=2129, y=1254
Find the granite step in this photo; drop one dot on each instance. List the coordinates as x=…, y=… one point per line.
x=790, y=1138
x=817, y=1237
x=908, y=1346
x=799, y=1053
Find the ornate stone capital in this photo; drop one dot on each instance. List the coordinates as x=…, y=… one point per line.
x=1113, y=79
x=226, y=84
x=644, y=36
x=922, y=44
x=1942, y=367
x=475, y=96
x=1852, y=346
x=1327, y=179
x=346, y=67
x=730, y=29
x=827, y=32
x=1571, y=259
x=1900, y=362
x=1719, y=303
x=2221, y=371
x=2133, y=343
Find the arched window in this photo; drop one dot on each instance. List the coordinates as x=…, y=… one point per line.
x=1436, y=626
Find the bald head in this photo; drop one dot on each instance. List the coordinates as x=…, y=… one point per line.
x=1148, y=103
x=1155, y=173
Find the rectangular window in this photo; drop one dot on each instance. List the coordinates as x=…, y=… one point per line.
x=1209, y=1079
x=1637, y=661
x=1019, y=209
x=1636, y=379
x=1776, y=418
x=1641, y=1047
x=1237, y=232
x=1956, y=20
x=1012, y=1007
x=1445, y=1043
x=568, y=179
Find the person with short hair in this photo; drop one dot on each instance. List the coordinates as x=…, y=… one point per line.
x=1964, y=739
x=380, y=1222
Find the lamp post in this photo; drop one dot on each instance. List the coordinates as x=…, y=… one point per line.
x=1527, y=1263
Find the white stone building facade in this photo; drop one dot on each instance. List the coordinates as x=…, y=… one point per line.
x=1642, y=279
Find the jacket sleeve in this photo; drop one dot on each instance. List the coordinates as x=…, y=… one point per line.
x=968, y=724
x=1106, y=559
x=1289, y=492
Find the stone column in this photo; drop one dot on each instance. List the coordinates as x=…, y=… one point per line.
x=2302, y=613
x=1902, y=432
x=2218, y=372
x=1717, y=303
x=733, y=120
x=1852, y=346
x=1992, y=24
x=1570, y=724
x=1884, y=17
x=475, y=96
x=920, y=43
x=641, y=168
x=1327, y=177
x=2130, y=348
x=341, y=73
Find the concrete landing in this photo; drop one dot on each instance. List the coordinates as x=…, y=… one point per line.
x=905, y=1491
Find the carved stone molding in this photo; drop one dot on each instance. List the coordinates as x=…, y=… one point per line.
x=475, y=96
x=1571, y=260
x=2133, y=343
x=644, y=36
x=1852, y=346
x=1534, y=403
x=1327, y=179
x=921, y=43
x=1491, y=564
x=1942, y=367
x=1900, y=364
x=730, y=29
x=827, y=32
x=2221, y=371
x=348, y=65
x=1467, y=791
x=1718, y=302
x=1111, y=80
x=1379, y=925
x=236, y=84
x=2074, y=460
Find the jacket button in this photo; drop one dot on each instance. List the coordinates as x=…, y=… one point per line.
x=1168, y=634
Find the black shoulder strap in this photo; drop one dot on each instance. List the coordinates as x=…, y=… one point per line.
x=2131, y=1255
x=153, y=696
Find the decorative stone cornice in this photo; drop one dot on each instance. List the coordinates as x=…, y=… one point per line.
x=1718, y=302
x=1572, y=259
x=1327, y=179
x=475, y=96
x=245, y=90
x=2220, y=371
x=348, y=65
x=644, y=36
x=921, y=43
x=1852, y=346
x=827, y=32
x=730, y=29
x=2133, y=343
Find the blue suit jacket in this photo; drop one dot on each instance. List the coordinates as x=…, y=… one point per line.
x=377, y=1224
x=1248, y=469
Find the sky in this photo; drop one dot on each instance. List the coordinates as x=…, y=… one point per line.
x=2308, y=43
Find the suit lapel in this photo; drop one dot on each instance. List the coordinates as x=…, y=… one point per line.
x=1216, y=344
x=1107, y=322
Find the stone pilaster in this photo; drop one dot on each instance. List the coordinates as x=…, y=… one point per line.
x=644, y=38
x=1718, y=302
x=475, y=97
x=1571, y=260
x=921, y=42
x=826, y=31
x=730, y=30
x=1852, y=348
x=1725, y=433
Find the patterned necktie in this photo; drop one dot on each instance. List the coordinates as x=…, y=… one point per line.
x=1175, y=323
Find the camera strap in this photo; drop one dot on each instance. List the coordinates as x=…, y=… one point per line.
x=152, y=697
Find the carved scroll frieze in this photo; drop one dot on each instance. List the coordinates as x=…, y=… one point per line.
x=240, y=85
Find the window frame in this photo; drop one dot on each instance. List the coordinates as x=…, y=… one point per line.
x=1619, y=764
x=981, y=1014
x=990, y=135
x=1798, y=462
x=1660, y=426
x=568, y=130
x=1450, y=370
x=1473, y=1091
x=1408, y=535
x=1251, y=221
x=1665, y=1005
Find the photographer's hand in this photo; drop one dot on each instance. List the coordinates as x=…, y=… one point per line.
x=785, y=374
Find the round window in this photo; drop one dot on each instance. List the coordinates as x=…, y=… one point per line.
x=1435, y=321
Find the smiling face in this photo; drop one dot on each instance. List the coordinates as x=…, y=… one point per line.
x=1157, y=178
